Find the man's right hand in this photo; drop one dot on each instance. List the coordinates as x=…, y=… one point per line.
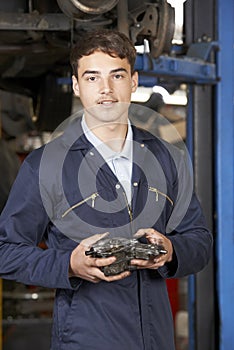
x=87, y=267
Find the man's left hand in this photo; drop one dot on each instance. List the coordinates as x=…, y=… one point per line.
x=154, y=237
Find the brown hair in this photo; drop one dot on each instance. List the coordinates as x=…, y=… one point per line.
x=111, y=42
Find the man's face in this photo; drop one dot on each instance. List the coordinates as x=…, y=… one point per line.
x=104, y=86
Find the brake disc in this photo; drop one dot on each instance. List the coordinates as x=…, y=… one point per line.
x=156, y=23
x=85, y=9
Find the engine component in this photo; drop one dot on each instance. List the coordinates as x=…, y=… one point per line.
x=124, y=250
x=85, y=9
x=156, y=23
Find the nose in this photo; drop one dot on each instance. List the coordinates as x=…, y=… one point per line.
x=106, y=86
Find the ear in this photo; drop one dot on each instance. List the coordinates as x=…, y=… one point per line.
x=75, y=86
x=134, y=81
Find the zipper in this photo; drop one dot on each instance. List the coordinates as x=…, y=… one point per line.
x=92, y=197
x=157, y=192
x=128, y=206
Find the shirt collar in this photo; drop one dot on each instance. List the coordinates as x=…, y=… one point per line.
x=103, y=149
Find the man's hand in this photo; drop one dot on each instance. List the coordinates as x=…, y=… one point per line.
x=88, y=268
x=154, y=237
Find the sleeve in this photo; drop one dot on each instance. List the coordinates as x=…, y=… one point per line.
x=23, y=225
x=186, y=227
x=192, y=243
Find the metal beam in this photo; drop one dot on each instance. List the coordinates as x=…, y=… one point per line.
x=185, y=70
x=200, y=29
x=204, y=320
x=34, y=21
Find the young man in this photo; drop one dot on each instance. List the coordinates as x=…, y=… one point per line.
x=104, y=176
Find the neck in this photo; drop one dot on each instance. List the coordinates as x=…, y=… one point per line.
x=112, y=134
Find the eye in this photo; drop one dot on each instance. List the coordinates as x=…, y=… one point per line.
x=92, y=78
x=118, y=76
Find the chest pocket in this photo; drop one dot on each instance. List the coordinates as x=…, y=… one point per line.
x=86, y=200
x=159, y=194
x=153, y=207
x=97, y=212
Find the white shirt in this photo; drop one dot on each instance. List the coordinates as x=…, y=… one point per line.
x=119, y=162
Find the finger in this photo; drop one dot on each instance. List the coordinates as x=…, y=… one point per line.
x=145, y=266
x=153, y=233
x=96, y=275
x=155, y=238
x=93, y=279
x=140, y=262
x=140, y=233
x=143, y=231
x=118, y=277
x=149, y=265
x=157, y=260
x=100, y=262
x=88, y=242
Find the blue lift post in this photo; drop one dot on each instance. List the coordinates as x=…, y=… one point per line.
x=225, y=173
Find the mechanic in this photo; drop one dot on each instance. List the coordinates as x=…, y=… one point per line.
x=104, y=177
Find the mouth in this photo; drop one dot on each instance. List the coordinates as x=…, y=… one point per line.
x=107, y=103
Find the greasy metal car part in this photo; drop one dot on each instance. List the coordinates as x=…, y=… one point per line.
x=156, y=23
x=124, y=250
x=85, y=9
